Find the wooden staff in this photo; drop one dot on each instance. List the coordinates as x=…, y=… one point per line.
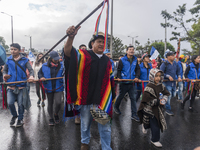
x=99, y=6
x=31, y=81
x=131, y=80
x=121, y=80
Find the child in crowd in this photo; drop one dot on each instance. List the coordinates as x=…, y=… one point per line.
x=150, y=111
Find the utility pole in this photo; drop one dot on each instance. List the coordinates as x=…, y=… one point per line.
x=11, y=25
x=165, y=34
x=30, y=41
x=133, y=40
x=111, y=38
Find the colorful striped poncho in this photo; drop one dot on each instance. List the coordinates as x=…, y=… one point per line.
x=89, y=80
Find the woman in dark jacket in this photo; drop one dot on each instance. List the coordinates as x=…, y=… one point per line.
x=192, y=72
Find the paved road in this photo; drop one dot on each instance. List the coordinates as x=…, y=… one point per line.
x=183, y=131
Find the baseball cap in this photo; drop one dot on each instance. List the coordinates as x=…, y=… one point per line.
x=145, y=55
x=170, y=53
x=54, y=55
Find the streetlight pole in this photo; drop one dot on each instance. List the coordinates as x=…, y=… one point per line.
x=165, y=35
x=132, y=40
x=111, y=38
x=30, y=41
x=11, y=24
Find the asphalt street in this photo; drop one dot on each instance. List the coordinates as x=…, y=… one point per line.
x=183, y=131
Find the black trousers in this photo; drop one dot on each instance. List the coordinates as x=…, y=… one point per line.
x=155, y=130
x=192, y=98
x=38, y=89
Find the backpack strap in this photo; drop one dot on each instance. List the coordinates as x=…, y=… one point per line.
x=16, y=62
x=166, y=64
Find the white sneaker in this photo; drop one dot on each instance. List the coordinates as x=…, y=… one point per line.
x=157, y=144
x=143, y=129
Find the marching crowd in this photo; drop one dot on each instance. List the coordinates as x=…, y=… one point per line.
x=89, y=86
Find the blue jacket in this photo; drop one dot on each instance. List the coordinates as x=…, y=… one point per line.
x=193, y=73
x=16, y=73
x=172, y=70
x=113, y=65
x=181, y=68
x=128, y=69
x=144, y=74
x=47, y=74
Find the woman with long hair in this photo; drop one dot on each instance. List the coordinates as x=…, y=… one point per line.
x=36, y=67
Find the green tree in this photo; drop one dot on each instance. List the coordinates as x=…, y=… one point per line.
x=3, y=43
x=195, y=33
x=118, y=47
x=140, y=50
x=177, y=21
x=158, y=44
x=187, y=52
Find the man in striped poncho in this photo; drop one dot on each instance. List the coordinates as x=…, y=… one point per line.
x=89, y=82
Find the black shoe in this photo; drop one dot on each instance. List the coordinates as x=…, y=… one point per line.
x=51, y=122
x=191, y=109
x=169, y=112
x=19, y=123
x=12, y=122
x=43, y=104
x=56, y=117
x=135, y=117
x=38, y=103
x=116, y=110
x=182, y=106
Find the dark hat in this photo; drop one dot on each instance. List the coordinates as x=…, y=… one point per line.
x=170, y=53
x=54, y=55
x=145, y=55
x=94, y=37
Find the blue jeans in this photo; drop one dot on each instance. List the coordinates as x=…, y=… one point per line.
x=180, y=90
x=104, y=130
x=172, y=91
x=28, y=87
x=155, y=129
x=11, y=100
x=132, y=92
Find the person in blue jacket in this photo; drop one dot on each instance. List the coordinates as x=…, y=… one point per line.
x=171, y=72
x=53, y=88
x=15, y=70
x=145, y=68
x=128, y=68
x=107, y=53
x=192, y=72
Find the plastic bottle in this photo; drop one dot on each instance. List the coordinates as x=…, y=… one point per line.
x=161, y=97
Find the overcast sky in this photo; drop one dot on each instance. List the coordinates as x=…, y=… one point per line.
x=47, y=20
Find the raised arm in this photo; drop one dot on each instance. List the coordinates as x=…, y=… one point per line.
x=71, y=32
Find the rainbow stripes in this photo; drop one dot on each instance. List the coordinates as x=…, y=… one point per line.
x=82, y=84
x=81, y=67
x=106, y=102
x=106, y=24
x=98, y=20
